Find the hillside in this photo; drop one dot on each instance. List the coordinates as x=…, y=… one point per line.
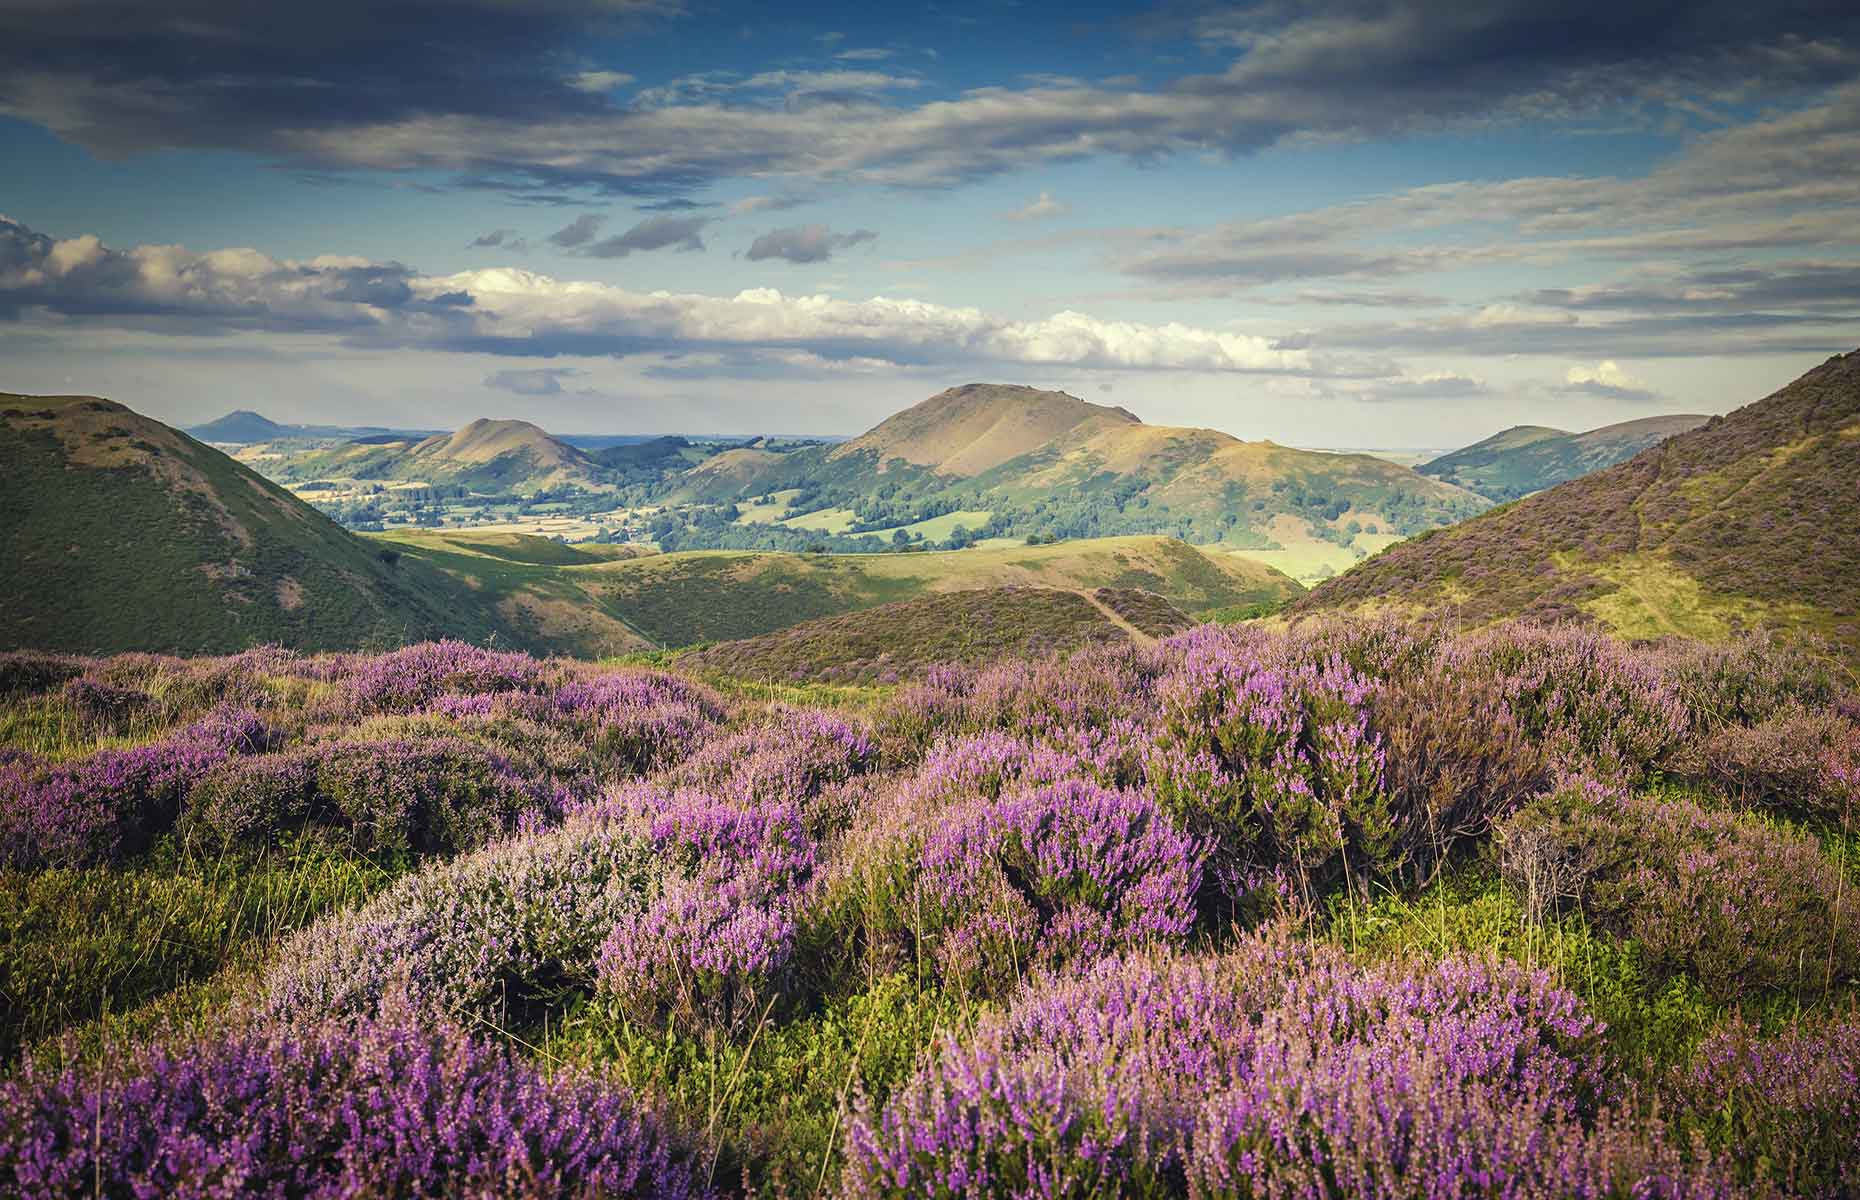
x=1745, y=521
x=124, y=534
x=591, y=605
x=1529, y=458
x=1014, y=461
x=896, y=641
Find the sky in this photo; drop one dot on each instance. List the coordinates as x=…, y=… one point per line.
x=1352, y=224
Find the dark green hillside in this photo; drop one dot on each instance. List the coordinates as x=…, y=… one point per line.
x=1749, y=520
x=120, y=533
x=1530, y=458
x=983, y=625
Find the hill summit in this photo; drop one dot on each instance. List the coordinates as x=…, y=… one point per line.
x=966, y=430
x=1747, y=520
x=242, y=426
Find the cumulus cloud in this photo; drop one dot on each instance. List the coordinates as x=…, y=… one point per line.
x=654, y=233
x=1040, y=208
x=1606, y=378
x=536, y=381
x=521, y=313
x=578, y=232
x=805, y=243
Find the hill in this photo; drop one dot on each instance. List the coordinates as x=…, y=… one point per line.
x=1015, y=461
x=590, y=605
x=241, y=426
x=486, y=455
x=1747, y=520
x=966, y=430
x=895, y=641
x=124, y=534
x=1530, y=458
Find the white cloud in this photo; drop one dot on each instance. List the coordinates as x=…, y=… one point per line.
x=1607, y=373
x=1040, y=208
x=599, y=81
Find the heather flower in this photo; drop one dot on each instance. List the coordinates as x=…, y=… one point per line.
x=1785, y=1109
x=1051, y=873
x=389, y=1108
x=511, y=923
x=1277, y=1069
x=406, y=679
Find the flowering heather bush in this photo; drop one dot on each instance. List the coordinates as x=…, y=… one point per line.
x=712, y=945
x=1456, y=759
x=1053, y=873
x=1595, y=705
x=1785, y=1109
x=1800, y=761
x=1274, y=1070
x=1740, y=905
x=1275, y=759
x=792, y=754
x=417, y=675
x=518, y=921
x=379, y=1109
x=111, y=803
x=1750, y=680
x=429, y=795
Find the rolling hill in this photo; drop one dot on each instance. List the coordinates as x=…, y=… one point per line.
x=1745, y=521
x=1530, y=458
x=123, y=534
x=1020, y=462
x=486, y=455
x=589, y=600
x=895, y=641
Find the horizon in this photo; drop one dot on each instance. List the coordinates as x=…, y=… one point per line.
x=1386, y=223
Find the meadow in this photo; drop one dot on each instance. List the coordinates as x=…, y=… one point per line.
x=1349, y=908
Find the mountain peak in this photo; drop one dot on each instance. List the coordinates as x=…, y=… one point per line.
x=968, y=429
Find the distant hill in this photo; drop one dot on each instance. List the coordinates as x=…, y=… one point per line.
x=1530, y=458
x=123, y=534
x=896, y=641
x=1017, y=461
x=485, y=455
x=590, y=599
x=1747, y=520
x=241, y=426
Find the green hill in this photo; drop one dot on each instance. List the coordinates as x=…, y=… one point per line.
x=1530, y=458
x=1745, y=521
x=1023, y=462
x=983, y=625
x=590, y=604
x=123, y=534
x=495, y=456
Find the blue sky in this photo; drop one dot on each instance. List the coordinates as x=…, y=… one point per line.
x=1328, y=224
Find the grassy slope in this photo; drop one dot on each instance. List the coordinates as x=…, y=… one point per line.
x=1745, y=521
x=718, y=595
x=122, y=534
x=976, y=626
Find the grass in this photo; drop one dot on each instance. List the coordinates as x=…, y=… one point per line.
x=78, y=944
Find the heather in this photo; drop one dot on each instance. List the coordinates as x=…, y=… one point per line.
x=1349, y=908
